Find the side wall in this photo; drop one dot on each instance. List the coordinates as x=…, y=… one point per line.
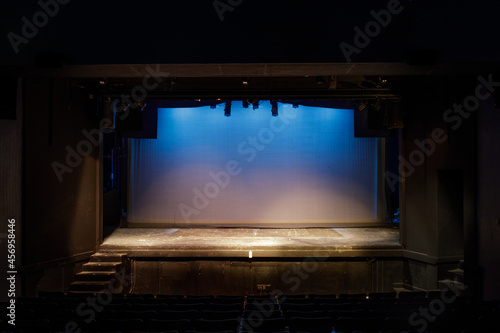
x=61, y=214
x=11, y=182
x=488, y=209
x=439, y=162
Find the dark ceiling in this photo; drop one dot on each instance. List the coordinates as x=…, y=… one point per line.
x=252, y=31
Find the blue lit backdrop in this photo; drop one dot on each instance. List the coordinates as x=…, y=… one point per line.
x=303, y=167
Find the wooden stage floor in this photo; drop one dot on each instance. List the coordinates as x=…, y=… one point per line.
x=264, y=243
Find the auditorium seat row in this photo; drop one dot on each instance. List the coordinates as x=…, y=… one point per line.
x=373, y=295
x=289, y=313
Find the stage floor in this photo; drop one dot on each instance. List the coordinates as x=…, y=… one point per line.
x=264, y=243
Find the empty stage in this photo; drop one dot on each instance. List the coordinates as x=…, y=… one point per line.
x=219, y=243
x=215, y=261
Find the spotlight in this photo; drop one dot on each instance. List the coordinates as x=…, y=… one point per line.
x=361, y=105
x=227, y=109
x=244, y=81
x=274, y=108
x=141, y=105
x=320, y=80
x=382, y=81
x=255, y=104
x=245, y=104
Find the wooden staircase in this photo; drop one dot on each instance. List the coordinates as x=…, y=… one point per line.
x=455, y=279
x=104, y=272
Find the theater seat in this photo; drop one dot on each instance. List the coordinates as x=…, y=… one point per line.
x=262, y=306
x=295, y=300
x=190, y=315
x=264, y=325
x=37, y=325
x=335, y=314
x=299, y=307
x=204, y=325
x=328, y=300
x=353, y=296
x=314, y=296
x=348, y=324
x=221, y=299
x=147, y=314
x=148, y=331
x=181, y=307
x=61, y=325
x=262, y=298
x=412, y=294
x=120, y=324
x=262, y=314
x=312, y=325
x=386, y=295
x=325, y=307
x=303, y=314
x=158, y=325
x=217, y=315
x=225, y=307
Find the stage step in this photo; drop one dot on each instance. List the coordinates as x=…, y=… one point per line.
x=89, y=286
x=457, y=274
x=108, y=257
x=101, y=266
x=456, y=271
x=400, y=287
x=451, y=284
x=95, y=276
x=104, y=271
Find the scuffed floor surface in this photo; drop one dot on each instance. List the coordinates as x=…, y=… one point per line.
x=239, y=241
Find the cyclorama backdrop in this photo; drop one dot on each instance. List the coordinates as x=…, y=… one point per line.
x=303, y=168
